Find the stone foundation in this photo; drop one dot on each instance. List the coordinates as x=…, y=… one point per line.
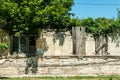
x=60, y=66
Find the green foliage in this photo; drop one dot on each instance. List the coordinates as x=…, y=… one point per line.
x=3, y=46
x=26, y=16
x=118, y=15
x=67, y=78
x=116, y=26
x=104, y=25
x=98, y=26
x=115, y=29
x=90, y=25
x=75, y=22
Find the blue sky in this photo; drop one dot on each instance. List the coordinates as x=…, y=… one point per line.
x=94, y=11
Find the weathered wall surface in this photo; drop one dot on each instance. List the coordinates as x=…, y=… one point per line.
x=55, y=49
x=59, y=60
x=60, y=66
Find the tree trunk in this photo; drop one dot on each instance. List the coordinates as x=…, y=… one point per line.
x=105, y=43
x=77, y=31
x=97, y=44
x=82, y=41
x=74, y=40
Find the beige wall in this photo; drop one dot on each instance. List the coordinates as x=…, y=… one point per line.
x=112, y=49
x=91, y=66
x=55, y=49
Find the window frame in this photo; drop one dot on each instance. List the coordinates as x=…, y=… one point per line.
x=19, y=50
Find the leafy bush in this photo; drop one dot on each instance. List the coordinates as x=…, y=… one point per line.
x=3, y=45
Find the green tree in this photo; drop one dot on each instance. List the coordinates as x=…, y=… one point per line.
x=90, y=25
x=115, y=29
x=74, y=22
x=100, y=29
x=103, y=31
x=26, y=16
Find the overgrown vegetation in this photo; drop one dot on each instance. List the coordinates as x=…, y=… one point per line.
x=3, y=45
x=26, y=16
x=101, y=28
x=29, y=16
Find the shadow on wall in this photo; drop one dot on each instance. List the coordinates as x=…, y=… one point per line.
x=58, y=35
x=32, y=65
x=32, y=58
x=116, y=39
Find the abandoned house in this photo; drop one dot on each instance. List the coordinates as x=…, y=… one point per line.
x=51, y=43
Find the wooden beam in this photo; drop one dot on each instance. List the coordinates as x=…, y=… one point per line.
x=82, y=41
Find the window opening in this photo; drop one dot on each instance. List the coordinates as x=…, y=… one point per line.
x=24, y=44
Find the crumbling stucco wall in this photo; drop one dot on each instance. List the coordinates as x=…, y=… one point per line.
x=55, y=49
x=62, y=66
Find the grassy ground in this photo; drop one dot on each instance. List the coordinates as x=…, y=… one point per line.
x=67, y=78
